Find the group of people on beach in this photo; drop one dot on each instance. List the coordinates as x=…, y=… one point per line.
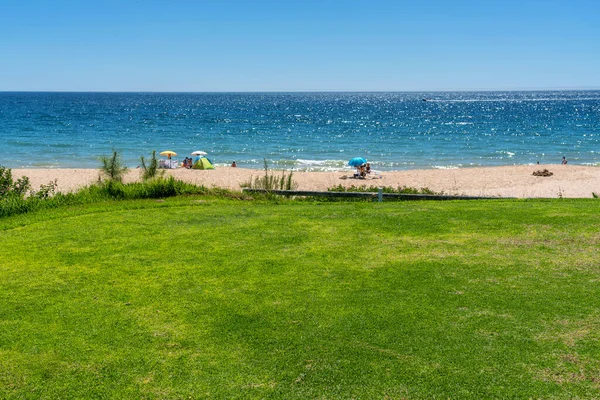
x=563, y=162
x=187, y=163
x=362, y=170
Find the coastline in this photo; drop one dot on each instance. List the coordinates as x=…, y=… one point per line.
x=568, y=181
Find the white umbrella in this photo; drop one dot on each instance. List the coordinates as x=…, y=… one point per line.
x=199, y=153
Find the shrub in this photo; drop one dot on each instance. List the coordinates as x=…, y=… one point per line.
x=151, y=170
x=46, y=191
x=11, y=188
x=112, y=167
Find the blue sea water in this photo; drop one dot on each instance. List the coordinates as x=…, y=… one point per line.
x=303, y=131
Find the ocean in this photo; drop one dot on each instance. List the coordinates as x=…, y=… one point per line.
x=303, y=131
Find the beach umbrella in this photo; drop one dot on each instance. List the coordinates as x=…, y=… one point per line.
x=199, y=153
x=357, y=161
x=168, y=153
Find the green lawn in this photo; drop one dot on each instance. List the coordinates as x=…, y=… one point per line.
x=207, y=298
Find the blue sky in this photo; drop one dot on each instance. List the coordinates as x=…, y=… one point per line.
x=330, y=45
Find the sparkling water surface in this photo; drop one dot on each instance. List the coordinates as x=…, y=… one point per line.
x=303, y=131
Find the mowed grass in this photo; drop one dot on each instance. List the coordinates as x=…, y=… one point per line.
x=211, y=298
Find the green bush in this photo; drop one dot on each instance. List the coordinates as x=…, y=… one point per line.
x=112, y=167
x=151, y=170
x=10, y=188
x=46, y=191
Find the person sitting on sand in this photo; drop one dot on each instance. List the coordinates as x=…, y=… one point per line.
x=233, y=165
x=368, y=169
x=564, y=160
x=363, y=171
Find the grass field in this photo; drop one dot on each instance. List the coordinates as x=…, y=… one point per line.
x=200, y=297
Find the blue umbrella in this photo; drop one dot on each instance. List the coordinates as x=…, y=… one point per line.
x=357, y=161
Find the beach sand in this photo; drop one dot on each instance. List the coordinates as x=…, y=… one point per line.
x=569, y=181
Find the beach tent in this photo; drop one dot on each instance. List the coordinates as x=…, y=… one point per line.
x=203, y=163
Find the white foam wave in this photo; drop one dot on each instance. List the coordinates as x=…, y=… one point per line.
x=456, y=166
x=506, y=152
x=498, y=100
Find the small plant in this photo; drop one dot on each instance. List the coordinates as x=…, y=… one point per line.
x=151, y=170
x=113, y=168
x=595, y=195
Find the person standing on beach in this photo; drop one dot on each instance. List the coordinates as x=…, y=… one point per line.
x=564, y=160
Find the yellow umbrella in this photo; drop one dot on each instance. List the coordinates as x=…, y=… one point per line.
x=168, y=153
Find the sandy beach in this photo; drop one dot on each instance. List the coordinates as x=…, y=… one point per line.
x=569, y=181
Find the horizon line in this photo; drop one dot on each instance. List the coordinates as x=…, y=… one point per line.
x=593, y=88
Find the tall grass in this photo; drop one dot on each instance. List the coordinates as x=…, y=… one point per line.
x=109, y=190
x=386, y=189
x=13, y=193
x=152, y=189
x=270, y=181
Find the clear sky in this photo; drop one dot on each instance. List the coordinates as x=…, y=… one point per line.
x=314, y=45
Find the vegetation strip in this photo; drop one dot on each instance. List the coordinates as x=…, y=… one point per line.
x=368, y=195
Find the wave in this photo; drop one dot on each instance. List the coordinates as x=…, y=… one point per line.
x=506, y=152
x=452, y=166
x=500, y=100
